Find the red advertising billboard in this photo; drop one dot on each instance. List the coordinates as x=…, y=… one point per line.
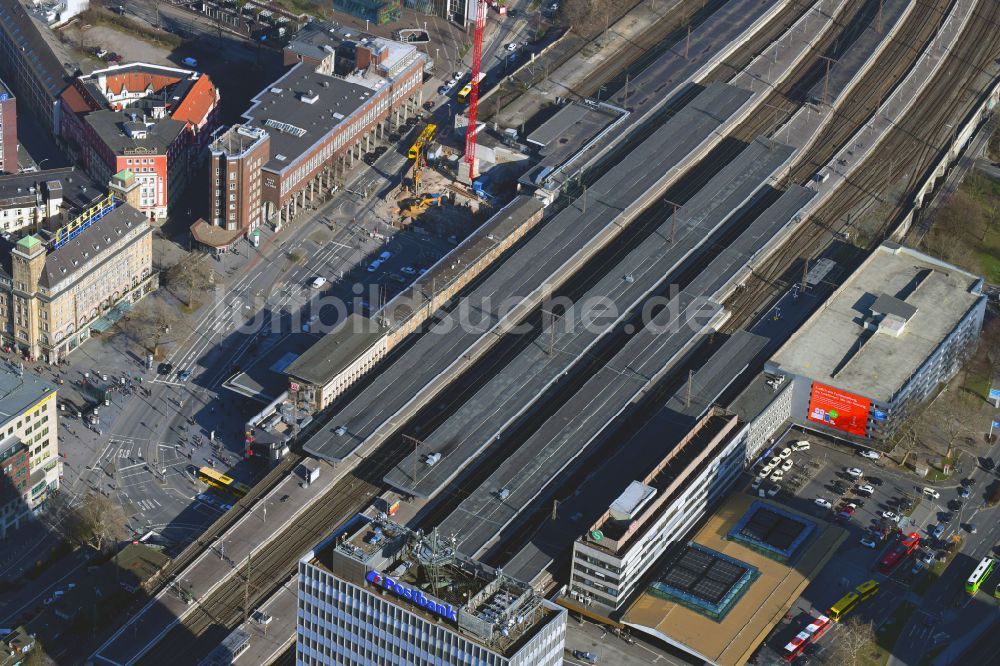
x=839, y=409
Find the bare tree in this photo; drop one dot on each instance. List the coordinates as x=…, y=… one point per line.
x=190, y=275
x=149, y=323
x=96, y=522
x=855, y=644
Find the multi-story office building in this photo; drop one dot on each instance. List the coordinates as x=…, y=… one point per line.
x=320, y=118
x=29, y=66
x=237, y=156
x=655, y=511
x=377, y=593
x=56, y=285
x=903, y=324
x=8, y=130
x=29, y=446
x=151, y=120
x=45, y=199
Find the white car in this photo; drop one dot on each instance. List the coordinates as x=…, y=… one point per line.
x=889, y=515
x=785, y=453
x=930, y=492
x=867, y=489
x=871, y=455
x=868, y=542
x=801, y=445
x=787, y=465
x=318, y=282
x=511, y=47
x=855, y=472
x=822, y=503
x=776, y=475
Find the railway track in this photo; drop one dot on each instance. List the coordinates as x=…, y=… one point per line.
x=215, y=616
x=916, y=142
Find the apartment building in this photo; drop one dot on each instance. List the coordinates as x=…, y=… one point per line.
x=29, y=446
x=45, y=199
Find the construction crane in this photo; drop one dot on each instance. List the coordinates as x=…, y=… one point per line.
x=416, y=169
x=477, y=53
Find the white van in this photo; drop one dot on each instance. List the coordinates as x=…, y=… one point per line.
x=930, y=492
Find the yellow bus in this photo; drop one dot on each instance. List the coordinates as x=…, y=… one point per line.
x=426, y=136
x=222, y=482
x=867, y=589
x=840, y=609
x=214, y=479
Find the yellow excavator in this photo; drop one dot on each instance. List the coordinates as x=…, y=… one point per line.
x=415, y=206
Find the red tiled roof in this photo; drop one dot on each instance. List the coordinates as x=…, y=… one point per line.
x=139, y=81
x=197, y=103
x=74, y=100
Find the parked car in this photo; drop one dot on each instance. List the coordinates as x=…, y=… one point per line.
x=583, y=655
x=822, y=503
x=905, y=504
x=968, y=482
x=866, y=490
x=773, y=490
x=955, y=504
x=100, y=53
x=184, y=375
x=964, y=493
x=854, y=472
x=372, y=267
x=971, y=528
x=839, y=487
x=874, y=480
x=785, y=453
x=319, y=282
x=756, y=482
x=989, y=464
x=931, y=492
x=787, y=465
x=938, y=531
x=868, y=542
x=890, y=515
x=408, y=270
x=428, y=105
x=871, y=455
x=384, y=255
x=801, y=445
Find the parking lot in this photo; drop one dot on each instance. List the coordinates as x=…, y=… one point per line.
x=878, y=505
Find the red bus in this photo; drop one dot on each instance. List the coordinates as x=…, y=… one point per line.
x=806, y=637
x=899, y=552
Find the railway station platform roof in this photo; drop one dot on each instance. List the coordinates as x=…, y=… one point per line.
x=547, y=252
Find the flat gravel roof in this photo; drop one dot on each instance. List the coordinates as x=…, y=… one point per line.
x=834, y=347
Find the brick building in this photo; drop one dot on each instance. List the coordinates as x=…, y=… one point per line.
x=29, y=446
x=320, y=118
x=153, y=121
x=55, y=287
x=8, y=130
x=237, y=156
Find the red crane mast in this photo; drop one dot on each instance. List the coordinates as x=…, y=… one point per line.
x=477, y=52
